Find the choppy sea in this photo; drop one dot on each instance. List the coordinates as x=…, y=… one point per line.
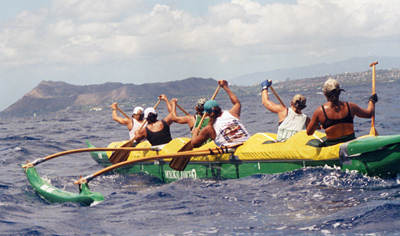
x=312, y=201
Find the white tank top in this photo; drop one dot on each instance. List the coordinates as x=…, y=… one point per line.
x=229, y=130
x=292, y=124
x=136, y=125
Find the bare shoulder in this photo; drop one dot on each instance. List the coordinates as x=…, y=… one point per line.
x=168, y=119
x=353, y=106
x=207, y=129
x=319, y=109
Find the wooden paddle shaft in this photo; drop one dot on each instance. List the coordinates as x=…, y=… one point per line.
x=40, y=160
x=373, y=130
x=123, y=113
x=183, y=110
x=373, y=75
x=276, y=95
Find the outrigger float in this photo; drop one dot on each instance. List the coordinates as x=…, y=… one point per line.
x=261, y=154
x=85, y=196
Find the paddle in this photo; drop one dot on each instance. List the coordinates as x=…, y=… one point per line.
x=279, y=99
x=120, y=156
x=41, y=160
x=183, y=110
x=181, y=163
x=373, y=130
x=276, y=95
x=186, y=154
x=123, y=113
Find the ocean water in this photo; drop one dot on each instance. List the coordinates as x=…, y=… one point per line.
x=312, y=201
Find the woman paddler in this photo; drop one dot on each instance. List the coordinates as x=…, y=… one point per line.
x=337, y=116
x=191, y=120
x=157, y=132
x=224, y=127
x=291, y=120
x=134, y=123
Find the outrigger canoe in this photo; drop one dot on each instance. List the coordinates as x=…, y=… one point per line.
x=261, y=154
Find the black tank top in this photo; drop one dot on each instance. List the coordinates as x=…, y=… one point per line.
x=345, y=120
x=160, y=137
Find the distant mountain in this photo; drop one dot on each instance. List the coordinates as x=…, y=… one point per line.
x=350, y=65
x=51, y=96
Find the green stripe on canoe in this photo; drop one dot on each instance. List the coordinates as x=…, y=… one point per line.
x=371, y=143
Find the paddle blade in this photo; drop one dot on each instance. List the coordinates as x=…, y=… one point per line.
x=121, y=156
x=373, y=131
x=180, y=163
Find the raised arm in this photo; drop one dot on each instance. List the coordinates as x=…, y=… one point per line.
x=188, y=119
x=121, y=120
x=365, y=113
x=164, y=98
x=236, y=108
x=271, y=106
x=168, y=118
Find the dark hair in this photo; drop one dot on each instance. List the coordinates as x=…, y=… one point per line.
x=200, y=110
x=299, y=105
x=216, y=112
x=151, y=118
x=333, y=96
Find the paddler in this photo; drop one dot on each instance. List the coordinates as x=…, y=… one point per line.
x=134, y=123
x=291, y=120
x=191, y=120
x=224, y=127
x=337, y=116
x=157, y=131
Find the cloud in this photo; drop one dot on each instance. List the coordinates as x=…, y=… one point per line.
x=82, y=32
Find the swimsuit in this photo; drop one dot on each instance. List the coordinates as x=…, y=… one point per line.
x=330, y=122
x=160, y=137
x=197, y=119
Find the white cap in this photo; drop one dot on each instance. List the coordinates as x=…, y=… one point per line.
x=136, y=110
x=148, y=111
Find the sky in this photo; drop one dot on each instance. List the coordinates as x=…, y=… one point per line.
x=85, y=42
